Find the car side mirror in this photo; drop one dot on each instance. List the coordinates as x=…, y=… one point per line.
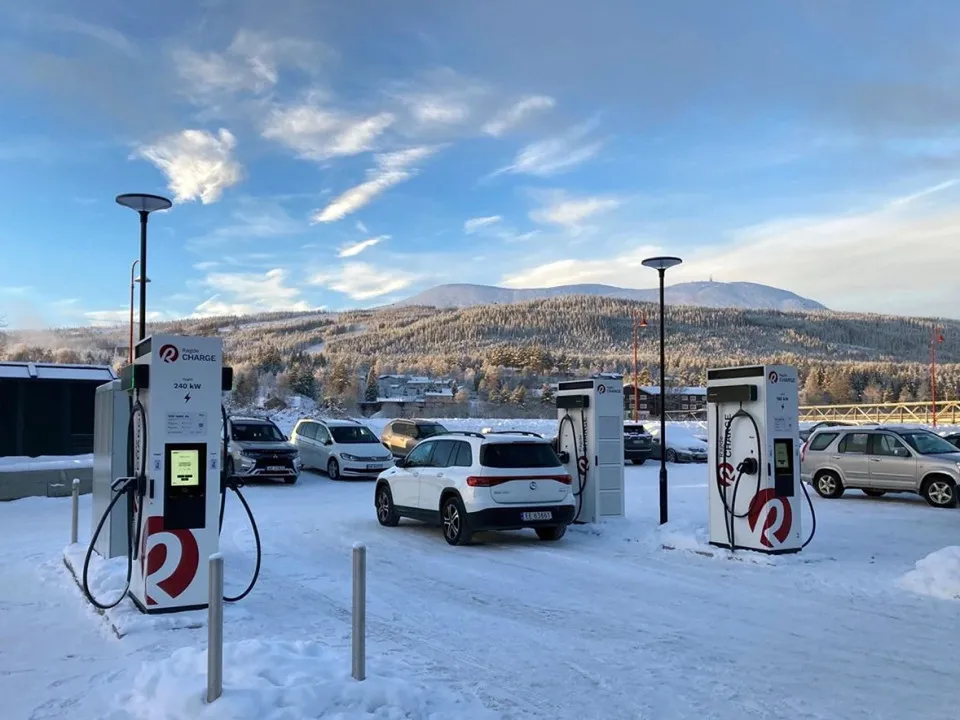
x=564, y=456
x=401, y=462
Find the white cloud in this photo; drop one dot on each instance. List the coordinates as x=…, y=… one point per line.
x=250, y=218
x=871, y=261
x=571, y=212
x=251, y=292
x=437, y=109
x=359, y=247
x=101, y=33
x=362, y=281
x=107, y=318
x=514, y=115
x=440, y=98
x=198, y=164
x=555, y=155
x=473, y=224
x=251, y=63
x=316, y=133
x=392, y=169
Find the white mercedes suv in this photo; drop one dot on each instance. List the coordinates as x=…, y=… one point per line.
x=471, y=482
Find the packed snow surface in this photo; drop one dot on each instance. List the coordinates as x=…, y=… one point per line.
x=281, y=680
x=19, y=463
x=605, y=623
x=937, y=575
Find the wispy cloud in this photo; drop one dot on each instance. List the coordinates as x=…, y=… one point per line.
x=919, y=195
x=244, y=293
x=516, y=114
x=101, y=33
x=316, y=133
x=571, y=212
x=198, y=164
x=359, y=247
x=107, y=318
x=557, y=154
x=391, y=169
x=473, y=224
x=442, y=97
x=361, y=281
x=250, y=218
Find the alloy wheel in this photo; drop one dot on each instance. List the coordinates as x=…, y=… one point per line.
x=383, y=505
x=451, y=521
x=827, y=485
x=941, y=492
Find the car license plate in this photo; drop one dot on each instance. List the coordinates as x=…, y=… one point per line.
x=543, y=515
x=373, y=466
x=276, y=467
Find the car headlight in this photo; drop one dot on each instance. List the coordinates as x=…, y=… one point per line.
x=345, y=456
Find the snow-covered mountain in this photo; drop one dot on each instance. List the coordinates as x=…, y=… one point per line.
x=743, y=295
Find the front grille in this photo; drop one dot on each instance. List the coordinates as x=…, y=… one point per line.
x=270, y=453
x=369, y=459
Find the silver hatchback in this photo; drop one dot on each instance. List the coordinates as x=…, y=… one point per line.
x=882, y=459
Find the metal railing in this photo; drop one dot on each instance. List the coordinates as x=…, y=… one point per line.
x=948, y=412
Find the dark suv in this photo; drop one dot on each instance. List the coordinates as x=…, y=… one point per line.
x=637, y=443
x=399, y=436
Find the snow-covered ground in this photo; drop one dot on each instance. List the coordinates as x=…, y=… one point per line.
x=18, y=463
x=604, y=624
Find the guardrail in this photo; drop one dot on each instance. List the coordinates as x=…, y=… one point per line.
x=948, y=412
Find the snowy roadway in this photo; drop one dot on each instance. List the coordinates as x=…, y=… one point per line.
x=604, y=624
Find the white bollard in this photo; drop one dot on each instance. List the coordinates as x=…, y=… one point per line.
x=359, y=610
x=75, y=520
x=215, y=630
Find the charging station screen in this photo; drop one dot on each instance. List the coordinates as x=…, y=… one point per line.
x=781, y=455
x=184, y=468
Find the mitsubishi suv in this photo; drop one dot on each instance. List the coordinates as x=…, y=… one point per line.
x=256, y=448
x=470, y=482
x=344, y=448
x=881, y=459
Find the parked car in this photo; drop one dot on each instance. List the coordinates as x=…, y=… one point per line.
x=682, y=445
x=343, y=448
x=882, y=459
x=637, y=443
x=471, y=482
x=399, y=436
x=256, y=448
x=806, y=433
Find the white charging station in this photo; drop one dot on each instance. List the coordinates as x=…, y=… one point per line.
x=754, y=461
x=590, y=413
x=177, y=384
x=110, y=428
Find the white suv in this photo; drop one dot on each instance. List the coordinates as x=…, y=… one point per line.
x=471, y=482
x=344, y=448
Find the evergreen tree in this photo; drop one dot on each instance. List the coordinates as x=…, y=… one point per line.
x=372, y=392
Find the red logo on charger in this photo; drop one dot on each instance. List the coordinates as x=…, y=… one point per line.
x=766, y=503
x=176, y=582
x=601, y=389
x=774, y=377
x=168, y=353
x=726, y=474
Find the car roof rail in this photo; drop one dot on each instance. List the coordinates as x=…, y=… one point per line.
x=471, y=433
x=514, y=432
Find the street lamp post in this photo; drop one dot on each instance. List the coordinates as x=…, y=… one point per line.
x=661, y=265
x=143, y=204
x=133, y=281
x=936, y=336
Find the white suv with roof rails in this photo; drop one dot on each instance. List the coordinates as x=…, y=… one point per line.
x=471, y=482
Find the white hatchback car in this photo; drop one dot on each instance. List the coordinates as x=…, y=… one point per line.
x=472, y=482
x=344, y=448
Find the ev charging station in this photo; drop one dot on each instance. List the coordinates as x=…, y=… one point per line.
x=590, y=434
x=754, y=459
x=174, y=489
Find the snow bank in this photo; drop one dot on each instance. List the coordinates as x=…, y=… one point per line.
x=18, y=463
x=273, y=680
x=937, y=575
x=106, y=580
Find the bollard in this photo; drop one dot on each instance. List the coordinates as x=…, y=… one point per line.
x=215, y=630
x=76, y=511
x=359, y=610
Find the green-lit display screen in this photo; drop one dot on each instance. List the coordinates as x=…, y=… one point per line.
x=184, y=468
x=781, y=456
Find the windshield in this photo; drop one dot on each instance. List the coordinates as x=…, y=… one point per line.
x=926, y=443
x=634, y=430
x=518, y=455
x=352, y=434
x=256, y=432
x=429, y=430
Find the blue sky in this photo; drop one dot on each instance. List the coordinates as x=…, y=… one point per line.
x=337, y=155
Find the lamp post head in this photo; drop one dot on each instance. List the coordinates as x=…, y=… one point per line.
x=662, y=263
x=143, y=202
x=143, y=279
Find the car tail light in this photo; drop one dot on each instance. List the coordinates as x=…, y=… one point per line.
x=479, y=481
x=803, y=452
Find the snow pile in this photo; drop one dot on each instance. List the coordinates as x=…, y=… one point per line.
x=274, y=680
x=19, y=463
x=937, y=575
x=106, y=580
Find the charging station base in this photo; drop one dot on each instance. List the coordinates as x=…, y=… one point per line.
x=751, y=556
